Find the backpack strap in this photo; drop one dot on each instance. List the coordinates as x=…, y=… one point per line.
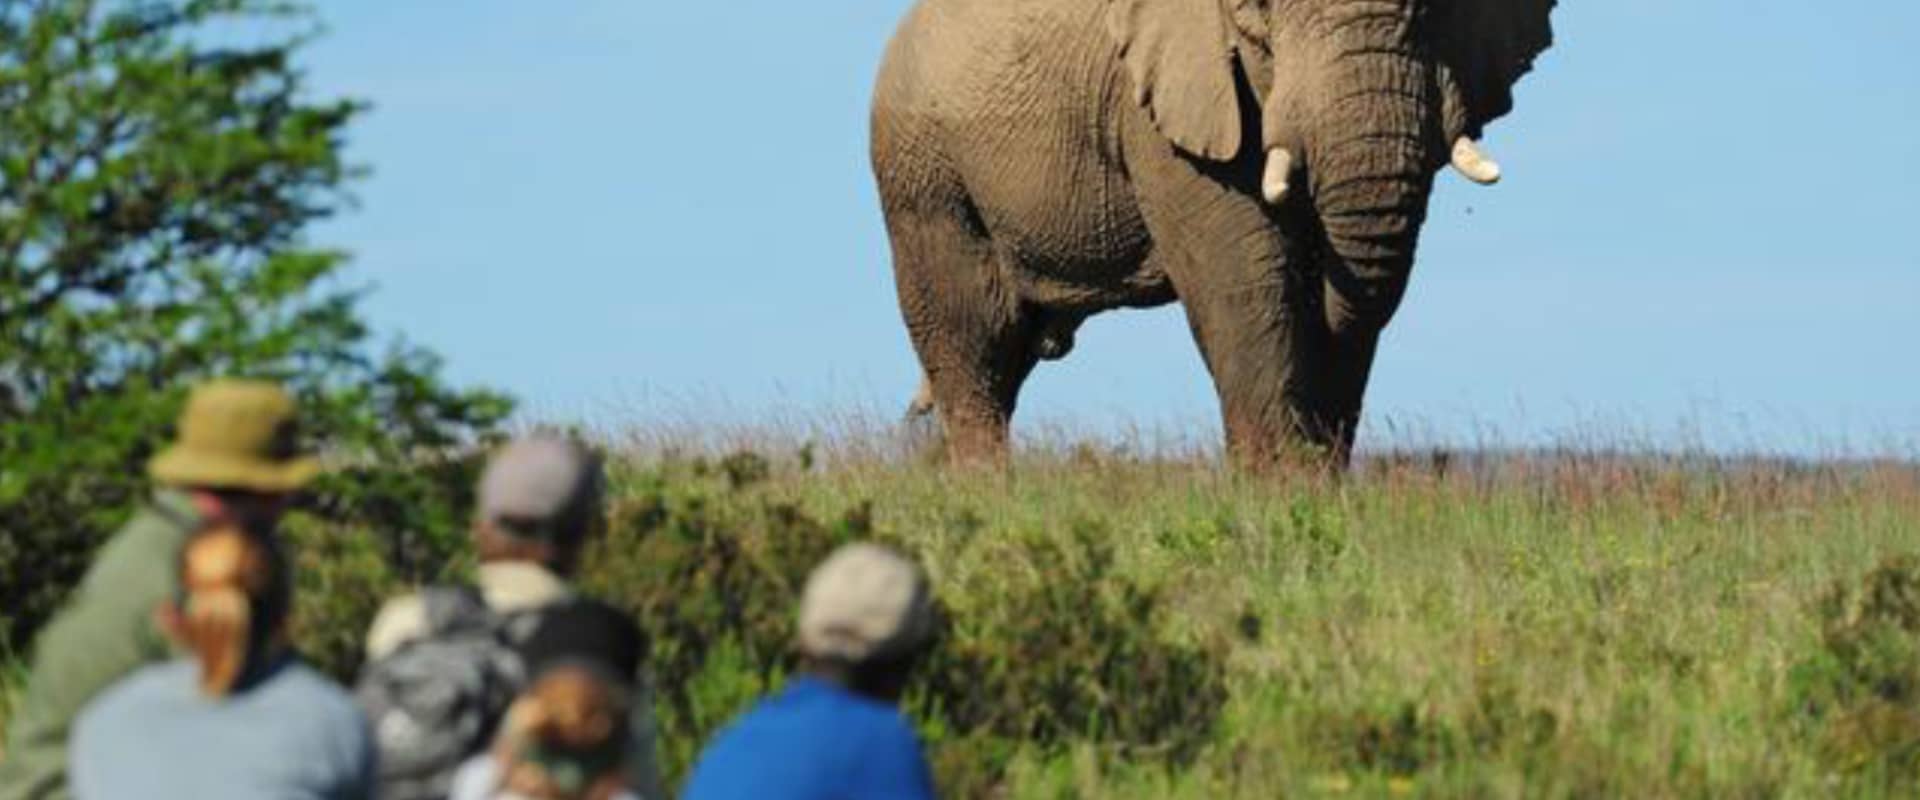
x=450, y=607
x=174, y=516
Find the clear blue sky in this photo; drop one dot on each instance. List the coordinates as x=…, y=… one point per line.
x=616, y=208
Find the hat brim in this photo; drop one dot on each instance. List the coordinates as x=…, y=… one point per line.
x=182, y=467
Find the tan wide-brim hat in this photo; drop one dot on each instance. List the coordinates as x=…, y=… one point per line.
x=236, y=434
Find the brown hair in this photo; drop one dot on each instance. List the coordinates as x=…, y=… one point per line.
x=572, y=717
x=233, y=600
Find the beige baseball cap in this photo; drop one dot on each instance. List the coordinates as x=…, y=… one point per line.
x=543, y=487
x=865, y=603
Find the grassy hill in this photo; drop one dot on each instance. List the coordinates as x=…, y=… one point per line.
x=1505, y=625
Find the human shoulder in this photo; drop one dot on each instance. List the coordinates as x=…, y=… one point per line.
x=336, y=724
x=154, y=690
x=400, y=620
x=313, y=686
x=154, y=534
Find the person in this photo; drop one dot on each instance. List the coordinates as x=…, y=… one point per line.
x=234, y=460
x=565, y=738
x=836, y=730
x=540, y=503
x=239, y=716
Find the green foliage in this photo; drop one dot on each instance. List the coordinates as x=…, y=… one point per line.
x=1073, y=654
x=344, y=576
x=1859, y=694
x=1544, y=631
x=154, y=186
x=1074, y=651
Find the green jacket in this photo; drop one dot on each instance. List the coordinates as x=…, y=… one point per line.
x=105, y=631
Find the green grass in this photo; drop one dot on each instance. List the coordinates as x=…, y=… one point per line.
x=1538, y=627
x=1548, y=626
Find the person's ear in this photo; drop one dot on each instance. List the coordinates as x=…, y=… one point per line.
x=166, y=619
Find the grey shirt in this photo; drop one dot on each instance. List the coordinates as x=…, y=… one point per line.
x=292, y=735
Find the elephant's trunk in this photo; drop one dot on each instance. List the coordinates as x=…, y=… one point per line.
x=1371, y=157
x=1373, y=227
x=1371, y=177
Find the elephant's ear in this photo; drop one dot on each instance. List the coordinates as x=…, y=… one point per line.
x=1180, y=56
x=1484, y=47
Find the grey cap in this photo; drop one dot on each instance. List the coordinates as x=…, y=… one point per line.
x=865, y=603
x=542, y=487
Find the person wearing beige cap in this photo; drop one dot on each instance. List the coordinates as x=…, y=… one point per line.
x=540, y=503
x=235, y=459
x=835, y=732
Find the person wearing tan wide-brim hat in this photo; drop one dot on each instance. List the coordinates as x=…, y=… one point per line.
x=236, y=436
x=235, y=459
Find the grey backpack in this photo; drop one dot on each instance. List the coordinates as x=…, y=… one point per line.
x=435, y=701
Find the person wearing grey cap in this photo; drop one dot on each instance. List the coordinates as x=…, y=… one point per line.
x=540, y=503
x=835, y=732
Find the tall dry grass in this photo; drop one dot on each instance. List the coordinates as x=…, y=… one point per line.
x=1572, y=621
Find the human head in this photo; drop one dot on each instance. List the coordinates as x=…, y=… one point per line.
x=231, y=608
x=583, y=629
x=540, y=500
x=566, y=737
x=236, y=452
x=866, y=615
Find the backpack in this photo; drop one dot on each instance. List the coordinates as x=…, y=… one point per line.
x=436, y=700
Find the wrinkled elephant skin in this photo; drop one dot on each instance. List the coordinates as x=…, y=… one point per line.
x=1266, y=163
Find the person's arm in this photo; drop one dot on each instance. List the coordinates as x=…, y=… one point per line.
x=105, y=631
x=895, y=768
x=365, y=784
x=643, y=759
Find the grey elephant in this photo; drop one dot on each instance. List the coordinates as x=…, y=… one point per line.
x=1267, y=163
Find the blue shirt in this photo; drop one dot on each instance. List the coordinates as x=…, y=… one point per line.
x=814, y=741
x=292, y=735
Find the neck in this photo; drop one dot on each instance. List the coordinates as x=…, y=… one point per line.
x=885, y=685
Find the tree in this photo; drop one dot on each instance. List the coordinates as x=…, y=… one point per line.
x=155, y=181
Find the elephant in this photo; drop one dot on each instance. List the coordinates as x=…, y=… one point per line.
x=1265, y=163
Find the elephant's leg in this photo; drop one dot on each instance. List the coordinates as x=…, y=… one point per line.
x=975, y=341
x=1229, y=264
x=1257, y=345
x=1243, y=286
x=1347, y=361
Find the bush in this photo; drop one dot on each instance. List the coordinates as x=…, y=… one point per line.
x=1067, y=654
x=1858, y=697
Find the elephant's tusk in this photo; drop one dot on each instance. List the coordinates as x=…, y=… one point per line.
x=1273, y=185
x=1474, y=163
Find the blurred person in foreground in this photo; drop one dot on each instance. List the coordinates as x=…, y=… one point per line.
x=234, y=460
x=541, y=503
x=836, y=732
x=567, y=736
x=239, y=716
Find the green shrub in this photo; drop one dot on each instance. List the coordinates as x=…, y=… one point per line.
x=1068, y=652
x=1859, y=696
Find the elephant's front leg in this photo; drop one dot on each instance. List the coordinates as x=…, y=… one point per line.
x=1247, y=303
x=1344, y=366
x=1258, y=345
